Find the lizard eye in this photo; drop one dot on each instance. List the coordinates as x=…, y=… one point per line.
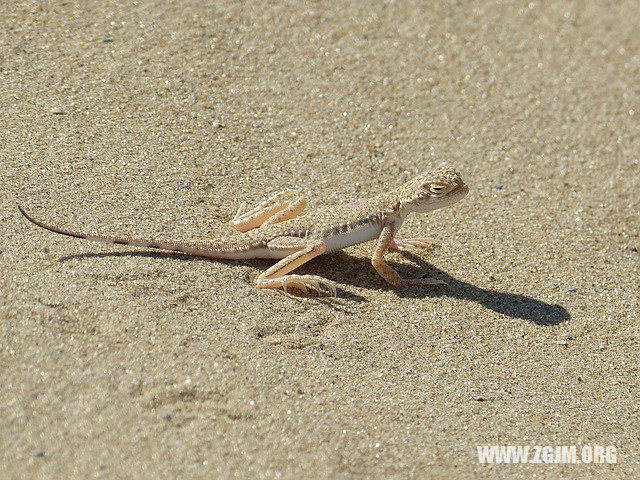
x=437, y=189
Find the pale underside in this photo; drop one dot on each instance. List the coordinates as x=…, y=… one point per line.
x=274, y=229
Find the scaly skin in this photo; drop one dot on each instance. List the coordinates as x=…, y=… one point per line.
x=274, y=230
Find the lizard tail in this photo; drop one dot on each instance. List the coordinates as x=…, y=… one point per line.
x=213, y=249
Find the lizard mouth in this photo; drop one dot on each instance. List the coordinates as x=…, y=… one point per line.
x=460, y=189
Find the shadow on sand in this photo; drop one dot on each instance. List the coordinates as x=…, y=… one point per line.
x=358, y=271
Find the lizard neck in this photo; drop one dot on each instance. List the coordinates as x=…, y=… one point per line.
x=390, y=207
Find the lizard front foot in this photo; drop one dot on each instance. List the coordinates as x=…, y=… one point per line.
x=424, y=242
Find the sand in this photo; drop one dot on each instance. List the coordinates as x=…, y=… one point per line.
x=154, y=119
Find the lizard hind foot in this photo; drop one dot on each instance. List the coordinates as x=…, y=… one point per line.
x=301, y=282
x=273, y=210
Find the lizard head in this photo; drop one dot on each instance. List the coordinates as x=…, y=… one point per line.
x=439, y=188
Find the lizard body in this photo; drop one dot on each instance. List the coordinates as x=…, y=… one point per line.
x=274, y=230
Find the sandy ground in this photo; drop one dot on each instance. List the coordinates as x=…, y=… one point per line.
x=153, y=119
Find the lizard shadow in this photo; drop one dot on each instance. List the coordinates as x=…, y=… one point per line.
x=359, y=272
x=259, y=263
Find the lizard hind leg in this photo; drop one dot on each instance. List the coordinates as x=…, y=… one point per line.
x=299, y=252
x=274, y=210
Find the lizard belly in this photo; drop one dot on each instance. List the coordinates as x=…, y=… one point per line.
x=352, y=237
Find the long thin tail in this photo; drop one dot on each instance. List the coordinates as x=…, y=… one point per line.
x=213, y=249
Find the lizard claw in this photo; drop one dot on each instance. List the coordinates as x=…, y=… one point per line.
x=239, y=212
x=304, y=283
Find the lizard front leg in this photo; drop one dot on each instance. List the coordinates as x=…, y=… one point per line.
x=385, y=240
x=300, y=251
x=273, y=210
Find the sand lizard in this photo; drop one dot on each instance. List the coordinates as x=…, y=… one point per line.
x=274, y=230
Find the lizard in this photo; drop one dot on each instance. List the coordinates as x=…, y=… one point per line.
x=275, y=230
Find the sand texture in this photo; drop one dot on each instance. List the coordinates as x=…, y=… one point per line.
x=159, y=119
